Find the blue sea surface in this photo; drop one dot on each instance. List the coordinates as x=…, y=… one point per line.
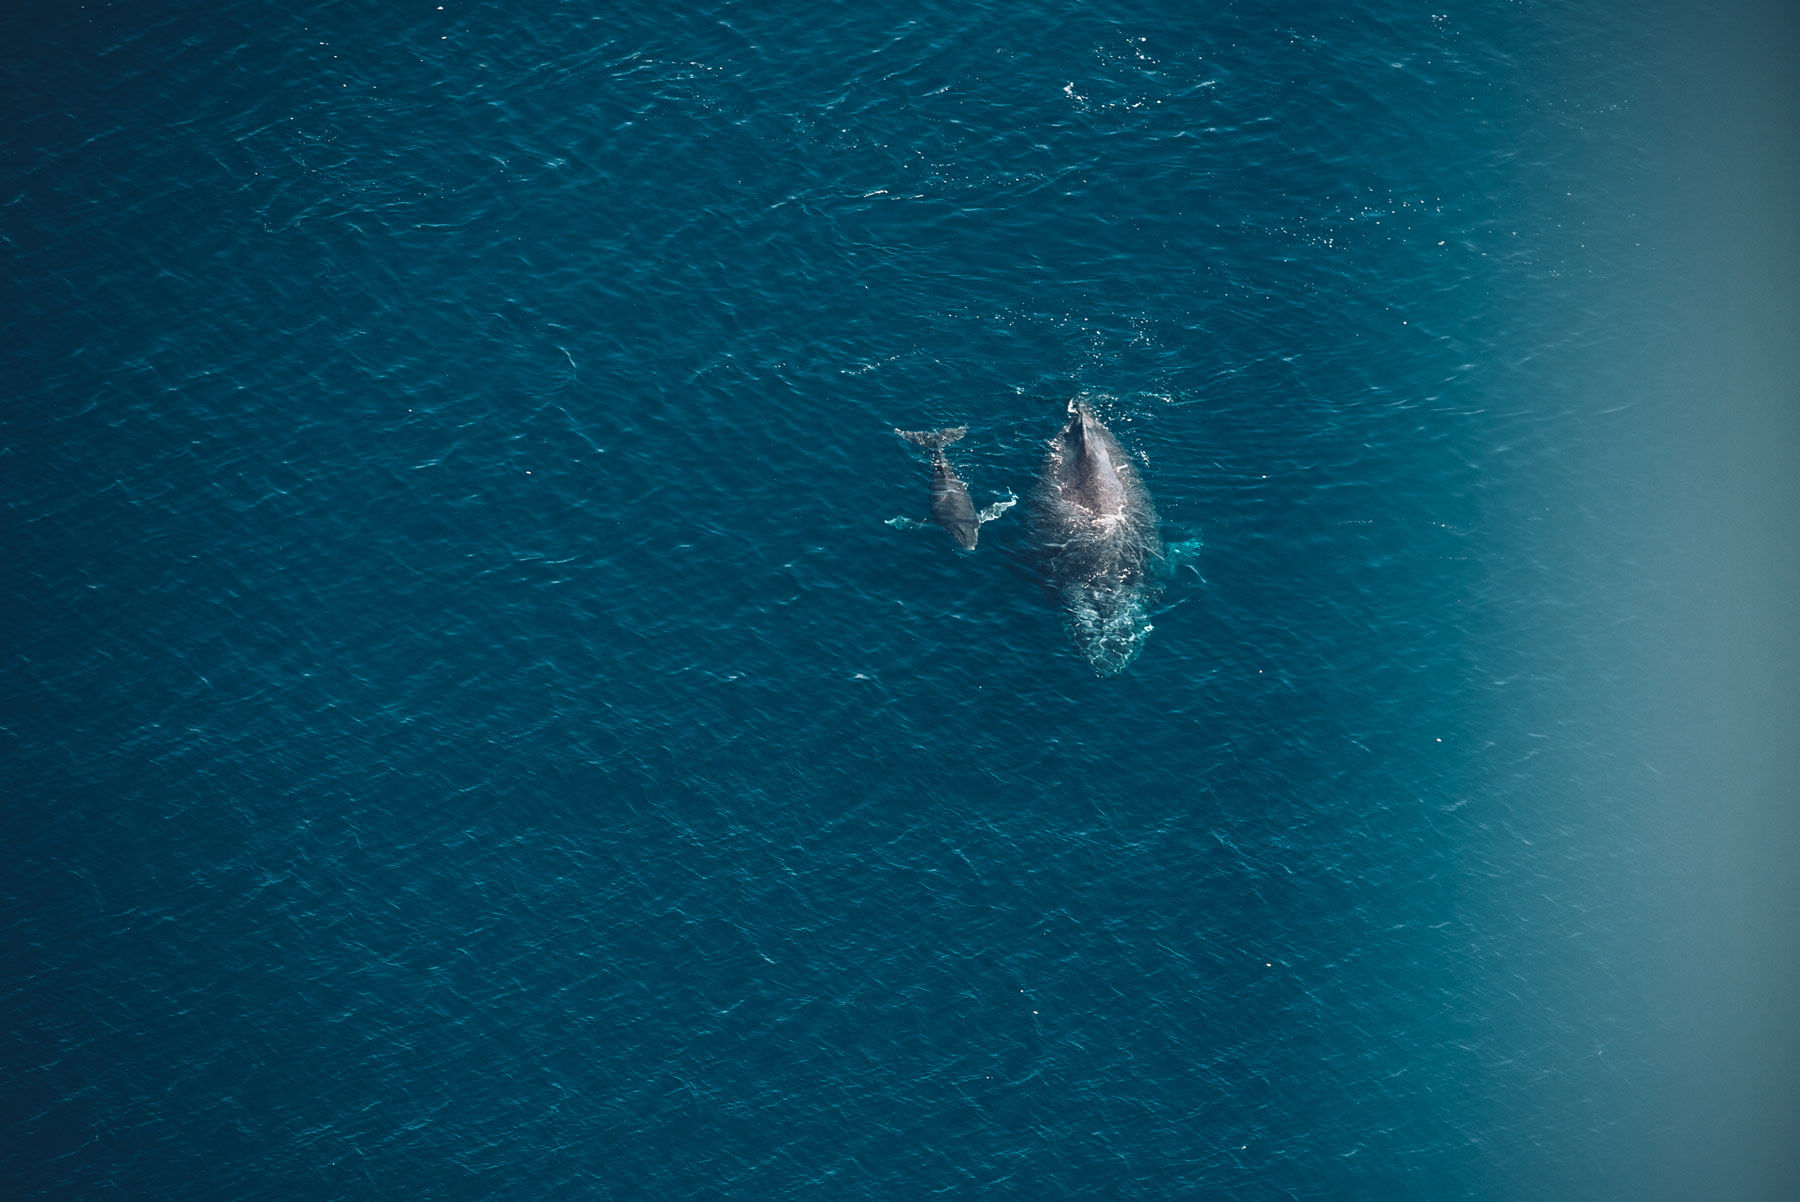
x=472, y=729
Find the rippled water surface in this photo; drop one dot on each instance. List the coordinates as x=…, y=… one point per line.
x=475, y=731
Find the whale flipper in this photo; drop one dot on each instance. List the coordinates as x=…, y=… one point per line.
x=1180, y=550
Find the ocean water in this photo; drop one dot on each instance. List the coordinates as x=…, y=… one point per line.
x=474, y=731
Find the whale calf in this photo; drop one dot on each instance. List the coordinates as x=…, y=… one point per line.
x=1094, y=523
x=951, y=506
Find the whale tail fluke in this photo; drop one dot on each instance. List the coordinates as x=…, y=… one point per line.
x=933, y=439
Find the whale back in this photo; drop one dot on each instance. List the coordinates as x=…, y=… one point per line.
x=1098, y=530
x=1091, y=469
x=951, y=506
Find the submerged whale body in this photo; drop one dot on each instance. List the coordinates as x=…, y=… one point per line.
x=1097, y=529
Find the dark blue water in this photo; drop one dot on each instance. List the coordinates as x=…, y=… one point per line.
x=473, y=732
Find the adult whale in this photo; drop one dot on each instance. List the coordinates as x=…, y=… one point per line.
x=1094, y=522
